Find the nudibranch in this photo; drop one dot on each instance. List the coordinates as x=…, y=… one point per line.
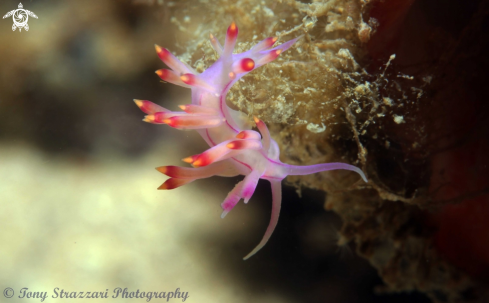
x=235, y=149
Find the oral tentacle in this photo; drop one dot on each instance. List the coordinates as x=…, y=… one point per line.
x=249, y=185
x=232, y=199
x=276, y=204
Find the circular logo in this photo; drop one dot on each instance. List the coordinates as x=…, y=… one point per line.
x=20, y=18
x=8, y=292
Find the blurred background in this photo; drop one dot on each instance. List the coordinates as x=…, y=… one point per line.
x=79, y=209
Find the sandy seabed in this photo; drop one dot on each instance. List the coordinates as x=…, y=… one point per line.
x=98, y=225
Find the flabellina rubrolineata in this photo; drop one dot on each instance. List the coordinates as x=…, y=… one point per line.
x=235, y=149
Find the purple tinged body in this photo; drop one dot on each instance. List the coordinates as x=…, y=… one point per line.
x=234, y=148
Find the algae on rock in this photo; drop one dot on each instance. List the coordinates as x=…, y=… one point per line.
x=327, y=100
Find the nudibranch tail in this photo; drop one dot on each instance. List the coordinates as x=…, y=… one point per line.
x=235, y=149
x=294, y=170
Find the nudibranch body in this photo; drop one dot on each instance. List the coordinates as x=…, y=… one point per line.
x=235, y=149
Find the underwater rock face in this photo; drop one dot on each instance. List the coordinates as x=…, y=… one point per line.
x=395, y=87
